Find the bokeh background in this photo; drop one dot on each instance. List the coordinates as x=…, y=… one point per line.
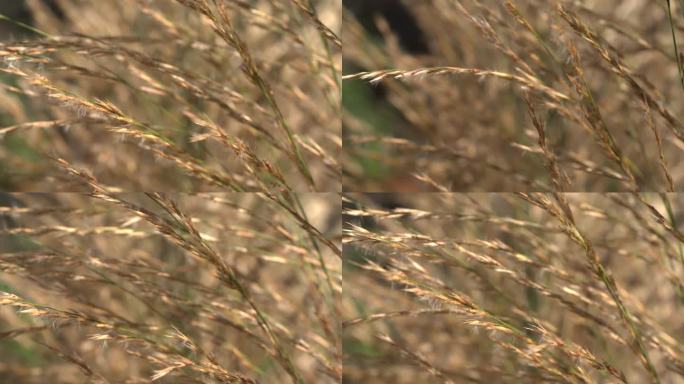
x=164, y=67
x=435, y=282
x=471, y=133
x=113, y=289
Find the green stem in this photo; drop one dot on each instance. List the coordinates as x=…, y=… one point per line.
x=24, y=25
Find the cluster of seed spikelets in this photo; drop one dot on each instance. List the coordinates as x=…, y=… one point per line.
x=207, y=96
x=555, y=287
x=139, y=290
x=589, y=73
x=225, y=95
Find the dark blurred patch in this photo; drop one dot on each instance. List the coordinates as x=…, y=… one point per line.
x=8, y=200
x=379, y=200
x=18, y=11
x=400, y=19
x=54, y=7
x=369, y=102
x=412, y=39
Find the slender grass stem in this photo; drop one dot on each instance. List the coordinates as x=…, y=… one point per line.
x=674, y=43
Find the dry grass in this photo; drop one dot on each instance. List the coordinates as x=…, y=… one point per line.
x=510, y=288
x=600, y=77
x=188, y=95
x=235, y=273
x=202, y=99
x=133, y=288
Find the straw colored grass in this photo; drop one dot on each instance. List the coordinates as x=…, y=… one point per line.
x=133, y=287
x=509, y=288
x=187, y=95
x=601, y=76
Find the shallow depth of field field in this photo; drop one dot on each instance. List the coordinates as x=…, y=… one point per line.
x=356, y=191
x=187, y=95
x=507, y=288
x=470, y=95
x=134, y=288
x=168, y=173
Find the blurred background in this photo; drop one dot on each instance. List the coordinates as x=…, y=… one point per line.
x=470, y=133
x=179, y=107
x=19, y=11
x=408, y=264
x=78, y=254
